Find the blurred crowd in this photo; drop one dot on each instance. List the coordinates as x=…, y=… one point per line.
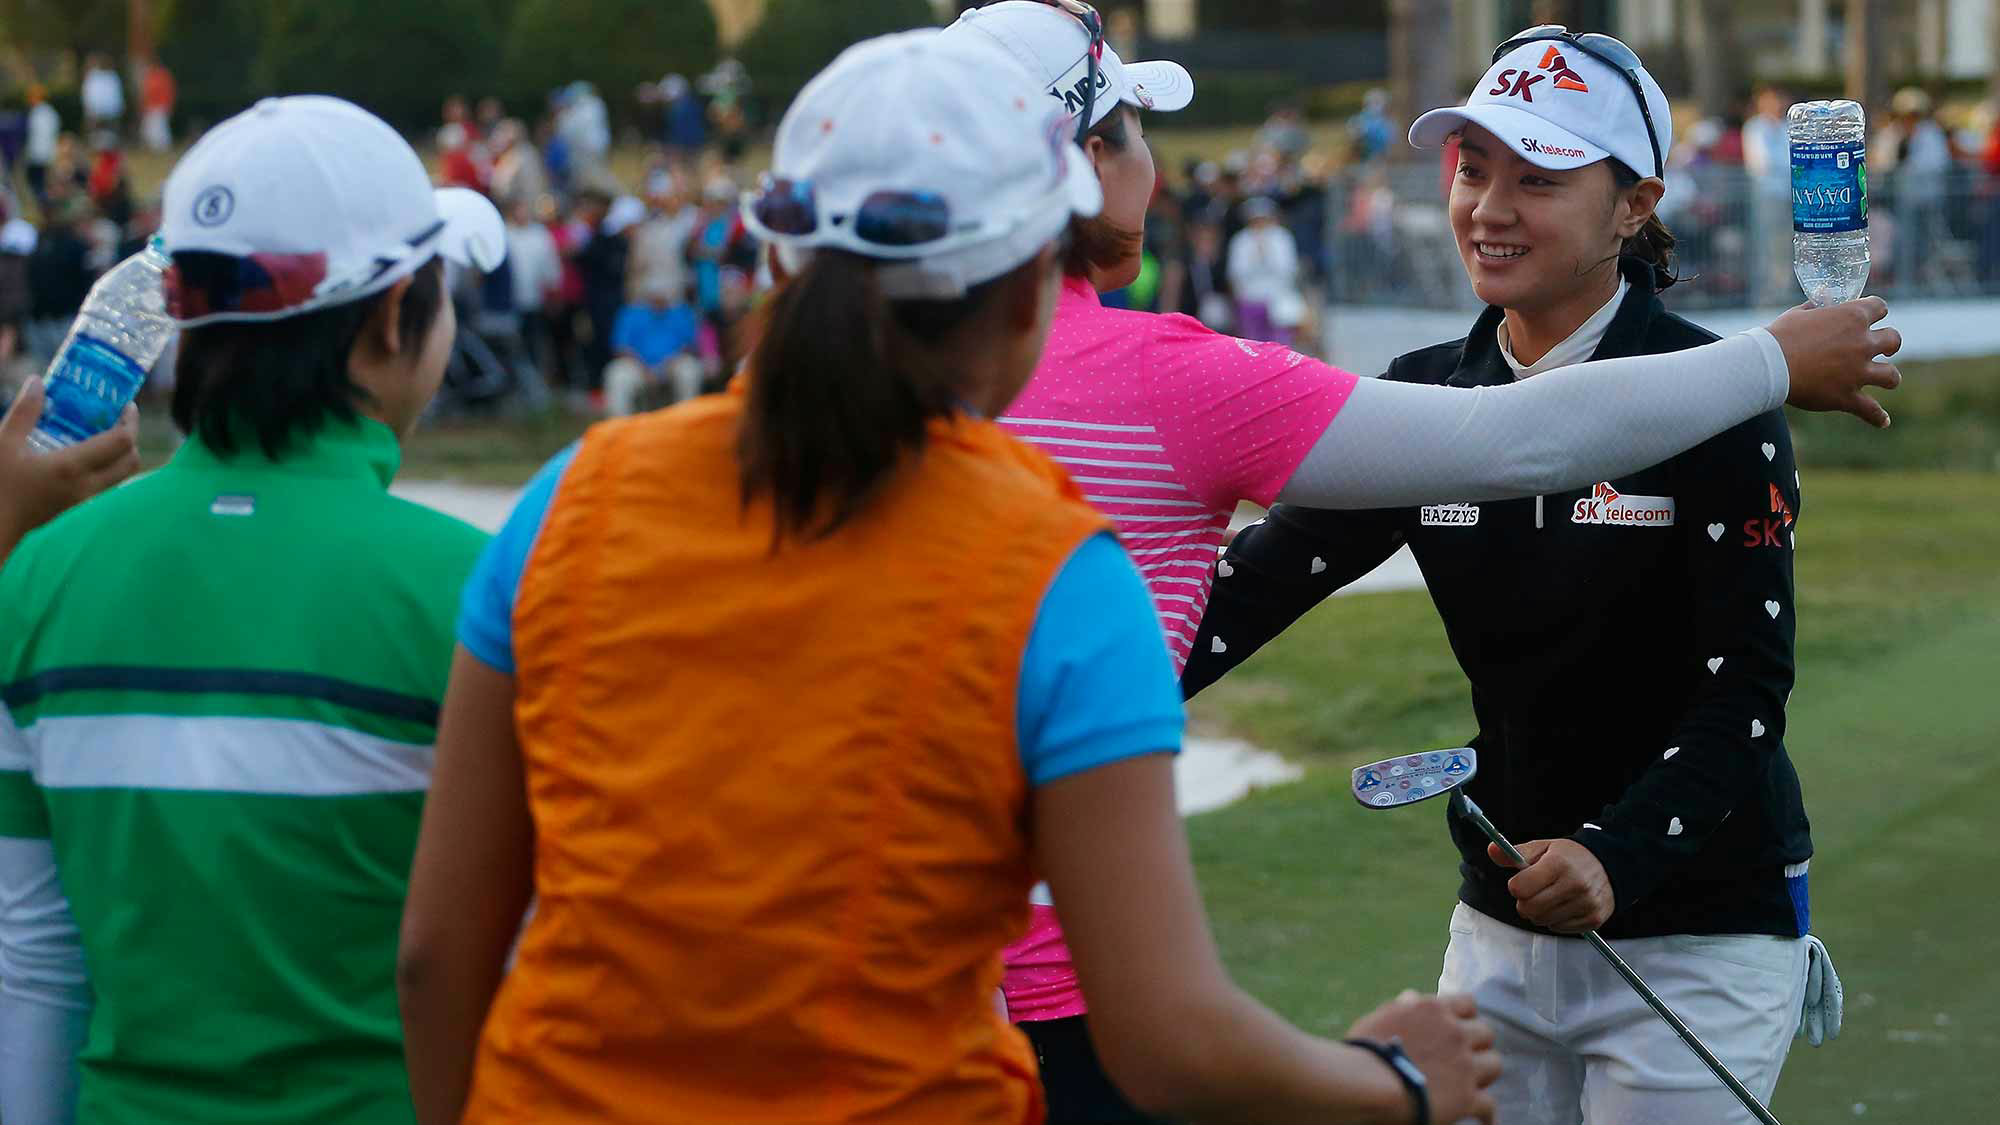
x=68, y=211
x=623, y=285
x=630, y=272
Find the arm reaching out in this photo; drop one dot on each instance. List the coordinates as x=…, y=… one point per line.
x=1399, y=444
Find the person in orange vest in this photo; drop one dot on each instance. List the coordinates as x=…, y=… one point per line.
x=778, y=702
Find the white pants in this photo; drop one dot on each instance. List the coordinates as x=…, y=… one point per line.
x=626, y=380
x=1578, y=1045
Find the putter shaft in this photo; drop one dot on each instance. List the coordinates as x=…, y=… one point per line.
x=1471, y=811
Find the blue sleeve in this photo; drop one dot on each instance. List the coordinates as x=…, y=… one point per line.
x=486, y=613
x=1097, y=684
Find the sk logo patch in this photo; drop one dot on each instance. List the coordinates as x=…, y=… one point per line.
x=1606, y=505
x=1566, y=79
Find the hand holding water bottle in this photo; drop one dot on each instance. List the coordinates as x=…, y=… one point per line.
x=1829, y=145
x=35, y=487
x=118, y=335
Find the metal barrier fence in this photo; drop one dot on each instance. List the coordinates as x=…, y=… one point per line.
x=1389, y=238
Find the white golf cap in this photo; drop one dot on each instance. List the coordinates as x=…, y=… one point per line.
x=1054, y=47
x=1559, y=108
x=893, y=129
x=320, y=203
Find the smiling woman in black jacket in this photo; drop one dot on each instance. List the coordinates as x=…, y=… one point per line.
x=1630, y=645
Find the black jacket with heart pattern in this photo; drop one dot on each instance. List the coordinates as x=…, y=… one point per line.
x=1629, y=647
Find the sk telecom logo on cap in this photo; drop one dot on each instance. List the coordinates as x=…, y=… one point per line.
x=1513, y=83
x=1566, y=79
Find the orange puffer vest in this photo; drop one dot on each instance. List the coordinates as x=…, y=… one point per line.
x=780, y=813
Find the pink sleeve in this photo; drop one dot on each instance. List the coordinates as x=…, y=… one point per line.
x=1237, y=416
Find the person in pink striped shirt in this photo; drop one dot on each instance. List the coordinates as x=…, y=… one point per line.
x=1166, y=426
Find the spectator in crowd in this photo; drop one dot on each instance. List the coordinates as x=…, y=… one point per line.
x=1206, y=296
x=454, y=112
x=659, y=256
x=518, y=176
x=1371, y=132
x=488, y=115
x=1918, y=158
x=1989, y=196
x=584, y=125
x=69, y=172
x=1284, y=132
x=1264, y=275
x=103, y=96
x=108, y=187
x=17, y=245
x=44, y=129
x=657, y=342
x=1767, y=157
x=458, y=160
x=60, y=273
x=570, y=233
x=537, y=273
x=718, y=241
x=601, y=258
x=156, y=107
x=685, y=129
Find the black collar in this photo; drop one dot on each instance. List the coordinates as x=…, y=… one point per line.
x=1482, y=365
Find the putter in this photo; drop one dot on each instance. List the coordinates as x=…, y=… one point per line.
x=1395, y=782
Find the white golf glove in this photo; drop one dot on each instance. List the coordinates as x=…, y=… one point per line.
x=1820, y=1019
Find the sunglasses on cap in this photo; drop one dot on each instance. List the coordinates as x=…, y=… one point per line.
x=887, y=221
x=1094, y=25
x=1604, y=49
x=203, y=284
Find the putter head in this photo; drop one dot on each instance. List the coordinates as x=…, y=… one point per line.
x=1394, y=782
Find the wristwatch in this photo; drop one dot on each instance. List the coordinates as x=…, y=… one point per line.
x=1413, y=1078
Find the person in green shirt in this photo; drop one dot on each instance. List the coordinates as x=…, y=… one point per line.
x=219, y=685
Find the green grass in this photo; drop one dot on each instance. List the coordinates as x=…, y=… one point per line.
x=1323, y=912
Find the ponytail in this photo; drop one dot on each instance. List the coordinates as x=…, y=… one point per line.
x=1653, y=245
x=842, y=383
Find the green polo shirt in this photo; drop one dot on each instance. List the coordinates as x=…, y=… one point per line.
x=221, y=687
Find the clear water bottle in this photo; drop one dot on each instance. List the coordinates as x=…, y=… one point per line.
x=117, y=337
x=1829, y=199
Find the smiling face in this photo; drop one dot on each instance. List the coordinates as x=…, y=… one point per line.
x=1532, y=238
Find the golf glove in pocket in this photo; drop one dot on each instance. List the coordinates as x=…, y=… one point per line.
x=1820, y=1020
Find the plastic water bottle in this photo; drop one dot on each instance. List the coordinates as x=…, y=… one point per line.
x=1829, y=199
x=117, y=337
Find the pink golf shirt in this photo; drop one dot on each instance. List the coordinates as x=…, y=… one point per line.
x=1165, y=425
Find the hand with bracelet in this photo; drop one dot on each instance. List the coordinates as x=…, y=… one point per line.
x=1441, y=1052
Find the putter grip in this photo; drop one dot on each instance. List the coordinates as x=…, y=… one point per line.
x=1472, y=812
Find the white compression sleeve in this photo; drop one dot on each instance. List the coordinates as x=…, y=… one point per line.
x=1396, y=444
x=44, y=993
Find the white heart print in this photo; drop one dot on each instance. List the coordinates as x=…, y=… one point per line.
x=1772, y=609
x=1770, y=451
x=1714, y=664
x=1224, y=569
x=1756, y=728
x=1674, y=827
x=1715, y=532
x=1215, y=645
x=1319, y=565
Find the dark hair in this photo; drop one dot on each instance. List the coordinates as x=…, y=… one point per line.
x=842, y=382
x=1097, y=242
x=1654, y=244
x=282, y=380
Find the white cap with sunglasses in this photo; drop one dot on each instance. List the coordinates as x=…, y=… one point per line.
x=891, y=154
x=1061, y=43
x=321, y=203
x=1562, y=100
